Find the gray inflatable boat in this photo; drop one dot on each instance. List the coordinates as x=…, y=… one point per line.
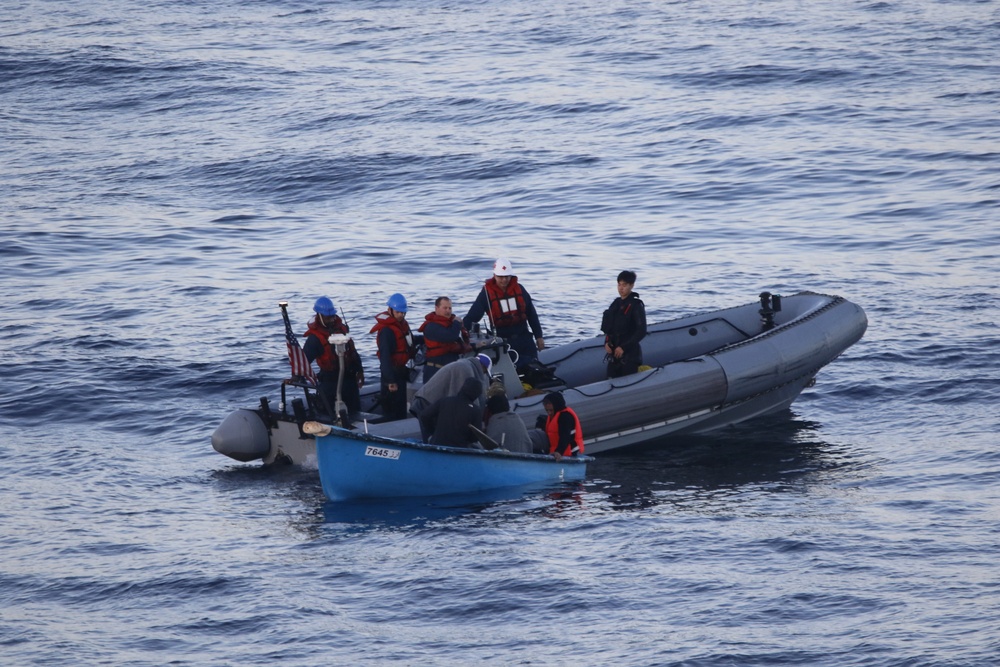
x=706, y=371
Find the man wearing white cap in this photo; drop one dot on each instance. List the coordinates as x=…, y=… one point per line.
x=511, y=312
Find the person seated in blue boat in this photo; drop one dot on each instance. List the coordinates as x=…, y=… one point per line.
x=449, y=380
x=511, y=311
x=562, y=427
x=445, y=339
x=317, y=348
x=624, y=325
x=447, y=421
x=506, y=428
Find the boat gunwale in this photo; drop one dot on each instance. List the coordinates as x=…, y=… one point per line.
x=338, y=432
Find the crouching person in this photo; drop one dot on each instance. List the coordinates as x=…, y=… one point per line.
x=447, y=420
x=505, y=427
x=562, y=427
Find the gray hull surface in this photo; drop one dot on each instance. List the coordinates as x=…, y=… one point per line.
x=708, y=371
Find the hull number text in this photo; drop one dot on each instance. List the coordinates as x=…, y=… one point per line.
x=382, y=452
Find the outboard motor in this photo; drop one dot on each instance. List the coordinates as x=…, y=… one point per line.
x=242, y=436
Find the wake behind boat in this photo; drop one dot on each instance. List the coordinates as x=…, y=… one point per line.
x=707, y=371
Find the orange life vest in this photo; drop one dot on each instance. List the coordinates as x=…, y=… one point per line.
x=507, y=307
x=436, y=348
x=329, y=361
x=552, y=430
x=404, y=338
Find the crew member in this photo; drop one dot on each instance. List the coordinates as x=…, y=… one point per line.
x=511, y=312
x=624, y=325
x=317, y=348
x=444, y=337
x=396, y=347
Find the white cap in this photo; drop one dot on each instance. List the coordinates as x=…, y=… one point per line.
x=502, y=267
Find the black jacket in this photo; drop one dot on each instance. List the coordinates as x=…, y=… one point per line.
x=447, y=420
x=624, y=324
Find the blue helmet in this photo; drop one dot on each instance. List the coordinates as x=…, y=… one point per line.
x=325, y=307
x=397, y=302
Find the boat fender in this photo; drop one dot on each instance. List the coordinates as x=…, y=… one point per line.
x=242, y=436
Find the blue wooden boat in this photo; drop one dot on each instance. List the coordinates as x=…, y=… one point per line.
x=353, y=464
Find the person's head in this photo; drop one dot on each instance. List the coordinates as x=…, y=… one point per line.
x=397, y=306
x=497, y=404
x=502, y=272
x=626, y=281
x=485, y=362
x=553, y=403
x=324, y=309
x=442, y=306
x=471, y=389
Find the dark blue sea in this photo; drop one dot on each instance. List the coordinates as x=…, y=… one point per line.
x=172, y=169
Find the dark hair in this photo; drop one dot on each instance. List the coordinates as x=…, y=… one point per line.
x=627, y=277
x=437, y=301
x=497, y=404
x=556, y=400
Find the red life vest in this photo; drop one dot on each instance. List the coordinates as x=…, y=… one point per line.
x=329, y=361
x=436, y=348
x=552, y=430
x=404, y=339
x=507, y=307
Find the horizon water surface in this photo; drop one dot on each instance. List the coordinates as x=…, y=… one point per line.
x=174, y=169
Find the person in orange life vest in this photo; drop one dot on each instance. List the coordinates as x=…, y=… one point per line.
x=396, y=346
x=624, y=325
x=444, y=337
x=511, y=311
x=317, y=348
x=562, y=427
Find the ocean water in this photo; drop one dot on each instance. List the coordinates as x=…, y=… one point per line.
x=173, y=169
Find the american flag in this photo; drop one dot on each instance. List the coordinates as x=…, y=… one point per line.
x=296, y=357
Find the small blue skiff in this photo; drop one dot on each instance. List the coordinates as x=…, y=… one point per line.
x=353, y=465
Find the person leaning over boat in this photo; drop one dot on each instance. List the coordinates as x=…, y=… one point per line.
x=317, y=348
x=445, y=338
x=450, y=379
x=396, y=347
x=511, y=311
x=562, y=426
x=624, y=325
x=447, y=420
x=505, y=427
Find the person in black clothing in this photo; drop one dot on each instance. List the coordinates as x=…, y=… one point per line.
x=447, y=420
x=624, y=325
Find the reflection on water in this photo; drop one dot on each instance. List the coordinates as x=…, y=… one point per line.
x=774, y=454
x=417, y=512
x=777, y=453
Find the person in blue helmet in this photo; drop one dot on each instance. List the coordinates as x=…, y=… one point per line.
x=396, y=347
x=317, y=348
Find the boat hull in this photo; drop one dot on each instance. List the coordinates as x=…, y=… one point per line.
x=355, y=465
x=709, y=371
